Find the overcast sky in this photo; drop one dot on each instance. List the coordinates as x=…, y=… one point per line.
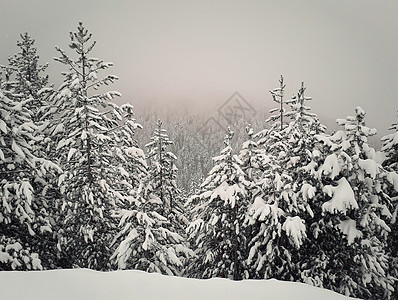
x=201, y=52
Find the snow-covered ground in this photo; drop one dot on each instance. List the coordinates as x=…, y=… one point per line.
x=87, y=284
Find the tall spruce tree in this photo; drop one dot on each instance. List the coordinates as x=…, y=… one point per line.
x=219, y=210
x=151, y=236
x=352, y=233
x=23, y=215
x=84, y=137
x=278, y=230
x=284, y=191
x=390, y=150
x=272, y=138
x=303, y=152
x=24, y=79
x=162, y=168
x=24, y=83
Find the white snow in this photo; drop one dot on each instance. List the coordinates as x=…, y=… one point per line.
x=261, y=210
x=70, y=154
x=369, y=166
x=331, y=166
x=3, y=126
x=87, y=284
x=308, y=191
x=295, y=230
x=349, y=228
x=16, y=247
x=65, y=92
x=227, y=193
x=17, y=149
x=343, y=197
x=392, y=177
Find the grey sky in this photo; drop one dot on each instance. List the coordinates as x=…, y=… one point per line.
x=201, y=52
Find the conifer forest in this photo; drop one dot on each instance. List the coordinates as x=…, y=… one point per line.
x=87, y=183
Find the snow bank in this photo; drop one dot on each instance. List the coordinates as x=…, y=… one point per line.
x=87, y=284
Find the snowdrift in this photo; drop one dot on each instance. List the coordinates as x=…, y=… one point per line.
x=87, y=284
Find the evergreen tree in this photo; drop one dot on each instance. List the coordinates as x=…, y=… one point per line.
x=162, y=168
x=303, y=152
x=23, y=215
x=148, y=240
x=251, y=156
x=128, y=156
x=219, y=212
x=390, y=150
x=23, y=76
x=278, y=228
x=24, y=82
x=272, y=138
x=285, y=190
x=352, y=232
x=151, y=238
x=84, y=137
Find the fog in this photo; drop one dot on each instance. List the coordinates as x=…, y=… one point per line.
x=196, y=54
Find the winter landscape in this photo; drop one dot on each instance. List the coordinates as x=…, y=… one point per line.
x=186, y=188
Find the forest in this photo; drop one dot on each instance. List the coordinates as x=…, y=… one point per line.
x=82, y=187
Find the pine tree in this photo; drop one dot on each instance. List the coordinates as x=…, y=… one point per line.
x=286, y=189
x=390, y=150
x=272, y=138
x=23, y=215
x=151, y=238
x=84, y=137
x=303, y=152
x=147, y=240
x=352, y=232
x=251, y=156
x=24, y=82
x=278, y=229
x=163, y=173
x=162, y=168
x=23, y=76
x=129, y=157
x=219, y=212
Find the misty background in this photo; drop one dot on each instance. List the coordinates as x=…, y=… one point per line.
x=191, y=56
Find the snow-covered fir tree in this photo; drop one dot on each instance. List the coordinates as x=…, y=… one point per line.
x=23, y=214
x=252, y=159
x=303, y=151
x=128, y=157
x=250, y=155
x=147, y=240
x=285, y=190
x=390, y=151
x=277, y=229
x=219, y=210
x=151, y=236
x=84, y=138
x=162, y=168
x=272, y=138
x=24, y=79
x=352, y=232
x=163, y=174
x=390, y=148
